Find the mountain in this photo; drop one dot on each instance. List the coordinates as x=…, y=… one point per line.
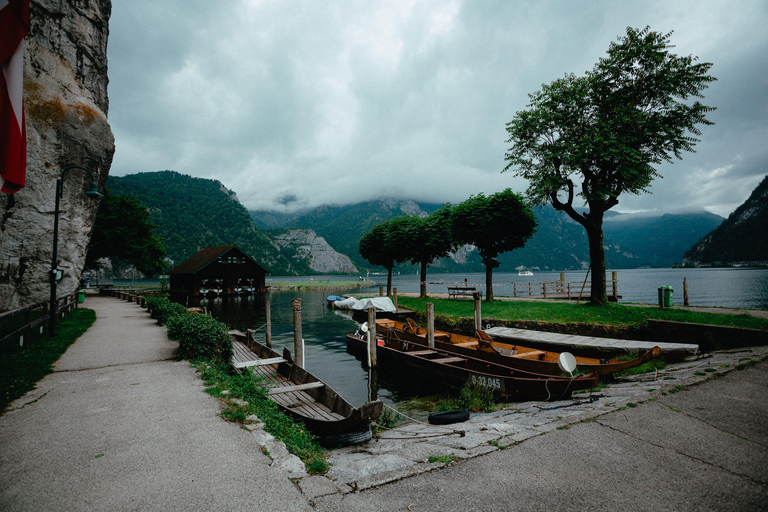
x=742, y=237
x=660, y=241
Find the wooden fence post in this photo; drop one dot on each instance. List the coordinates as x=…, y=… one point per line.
x=685, y=292
x=298, y=341
x=372, y=356
x=431, y=325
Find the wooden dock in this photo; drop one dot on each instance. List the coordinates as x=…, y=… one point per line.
x=586, y=344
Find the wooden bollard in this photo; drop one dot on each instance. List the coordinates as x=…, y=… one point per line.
x=615, y=281
x=268, y=327
x=394, y=296
x=372, y=356
x=381, y=291
x=430, y=325
x=685, y=293
x=478, y=316
x=298, y=341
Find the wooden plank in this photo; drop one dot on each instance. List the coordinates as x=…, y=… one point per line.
x=533, y=353
x=297, y=387
x=446, y=360
x=422, y=352
x=259, y=362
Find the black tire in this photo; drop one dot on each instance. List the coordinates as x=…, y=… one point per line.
x=346, y=439
x=448, y=417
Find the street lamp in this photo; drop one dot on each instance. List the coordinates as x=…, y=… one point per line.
x=92, y=191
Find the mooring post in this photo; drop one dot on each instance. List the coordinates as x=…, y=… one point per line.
x=268, y=326
x=478, y=317
x=615, y=281
x=381, y=291
x=394, y=296
x=430, y=325
x=685, y=292
x=372, y=361
x=298, y=341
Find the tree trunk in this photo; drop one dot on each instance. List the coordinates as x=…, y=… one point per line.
x=489, y=281
x=594, y=227
x=389, y=281
x=423, y=287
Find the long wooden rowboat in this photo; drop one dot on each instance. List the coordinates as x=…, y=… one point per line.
x=302, y=395
x=455, y=371
x=513, y=356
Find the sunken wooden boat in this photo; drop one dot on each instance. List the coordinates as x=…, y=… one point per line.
x=511, y=355
x=302, y=395
x=455, y=371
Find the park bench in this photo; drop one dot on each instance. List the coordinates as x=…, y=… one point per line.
x=461, y=291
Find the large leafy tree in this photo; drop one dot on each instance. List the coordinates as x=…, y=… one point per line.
x=603, y=134
x=425, y=239
x=494, y=224
x=384, y=244
x=123, y=229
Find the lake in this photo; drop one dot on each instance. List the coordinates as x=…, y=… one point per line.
x=324, y=329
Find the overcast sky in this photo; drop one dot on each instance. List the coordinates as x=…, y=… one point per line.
x=300, y=103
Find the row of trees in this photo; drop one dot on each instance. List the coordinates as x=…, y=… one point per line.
x=493, y=224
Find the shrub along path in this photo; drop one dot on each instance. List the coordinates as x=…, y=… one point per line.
x=122, y=425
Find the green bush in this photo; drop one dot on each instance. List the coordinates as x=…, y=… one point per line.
x=201, y=337
x=163, y=309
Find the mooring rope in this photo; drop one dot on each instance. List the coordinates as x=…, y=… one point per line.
x=461, y=433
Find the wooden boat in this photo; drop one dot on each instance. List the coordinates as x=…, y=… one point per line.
x=455, y=371
x=590, y=346
x=513, y=356
x=302, y=395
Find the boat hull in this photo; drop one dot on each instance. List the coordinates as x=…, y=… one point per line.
x=449, y=369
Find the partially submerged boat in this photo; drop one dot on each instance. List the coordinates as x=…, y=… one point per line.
x=453, y=370
x=511, y=355
x=302, y=395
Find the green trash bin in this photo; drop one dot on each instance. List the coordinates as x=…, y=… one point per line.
x=80, y=296
x=665, y=296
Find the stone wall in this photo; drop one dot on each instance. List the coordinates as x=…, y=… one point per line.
x=66, y=104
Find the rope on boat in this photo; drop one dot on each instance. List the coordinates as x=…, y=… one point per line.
x=461, y=433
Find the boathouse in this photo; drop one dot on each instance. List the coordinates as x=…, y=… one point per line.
x=225, y=270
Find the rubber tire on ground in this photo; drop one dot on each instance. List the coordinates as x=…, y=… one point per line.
x=448, y=417
x=346, y=438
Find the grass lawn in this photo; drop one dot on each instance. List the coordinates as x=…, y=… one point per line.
x=22, y=367
x=569, y=312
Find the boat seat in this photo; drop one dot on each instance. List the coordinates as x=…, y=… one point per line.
x=447, y=360
x=297, y=387
x=259, y=362
x=526, y=355
x=421, y=352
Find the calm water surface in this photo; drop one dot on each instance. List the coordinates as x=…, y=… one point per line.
x=324, y=329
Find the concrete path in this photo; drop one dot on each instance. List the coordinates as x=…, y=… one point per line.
x=120, y=425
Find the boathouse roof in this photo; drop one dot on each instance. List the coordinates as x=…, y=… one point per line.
x=205, y=257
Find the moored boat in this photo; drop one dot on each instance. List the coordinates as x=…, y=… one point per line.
x=513, y=356
x=302, y=395
x=455, y=371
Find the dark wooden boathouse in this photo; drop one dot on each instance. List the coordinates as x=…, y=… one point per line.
x=225, y=270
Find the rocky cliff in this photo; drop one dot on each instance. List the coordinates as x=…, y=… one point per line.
x=305, y=244
x=66, y=104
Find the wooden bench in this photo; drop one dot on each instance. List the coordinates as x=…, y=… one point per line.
x=461, y=291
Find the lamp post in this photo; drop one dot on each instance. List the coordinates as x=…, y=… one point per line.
x=92, y=191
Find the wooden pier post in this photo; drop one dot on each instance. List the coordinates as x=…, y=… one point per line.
x=394, y=296
x=298, y=341
x=431, y=325
x=268, y=326
x=478, y=316
x=381, y=291
x=372, y=356
x=615, y=283
x=685, y=293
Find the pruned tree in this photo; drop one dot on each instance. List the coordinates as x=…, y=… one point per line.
x=382, y=245
x=425, y=239
x=494, y=224
x=603, y=134
x=123, y=229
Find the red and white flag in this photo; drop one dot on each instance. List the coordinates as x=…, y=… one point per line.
x=14, y=25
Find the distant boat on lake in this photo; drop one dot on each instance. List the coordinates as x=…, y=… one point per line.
x=525, y=273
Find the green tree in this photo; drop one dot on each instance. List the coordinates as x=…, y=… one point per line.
x=494, y=224
x=425, y=239
x=382, y=245
x=600, y=135
x=122, y=229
